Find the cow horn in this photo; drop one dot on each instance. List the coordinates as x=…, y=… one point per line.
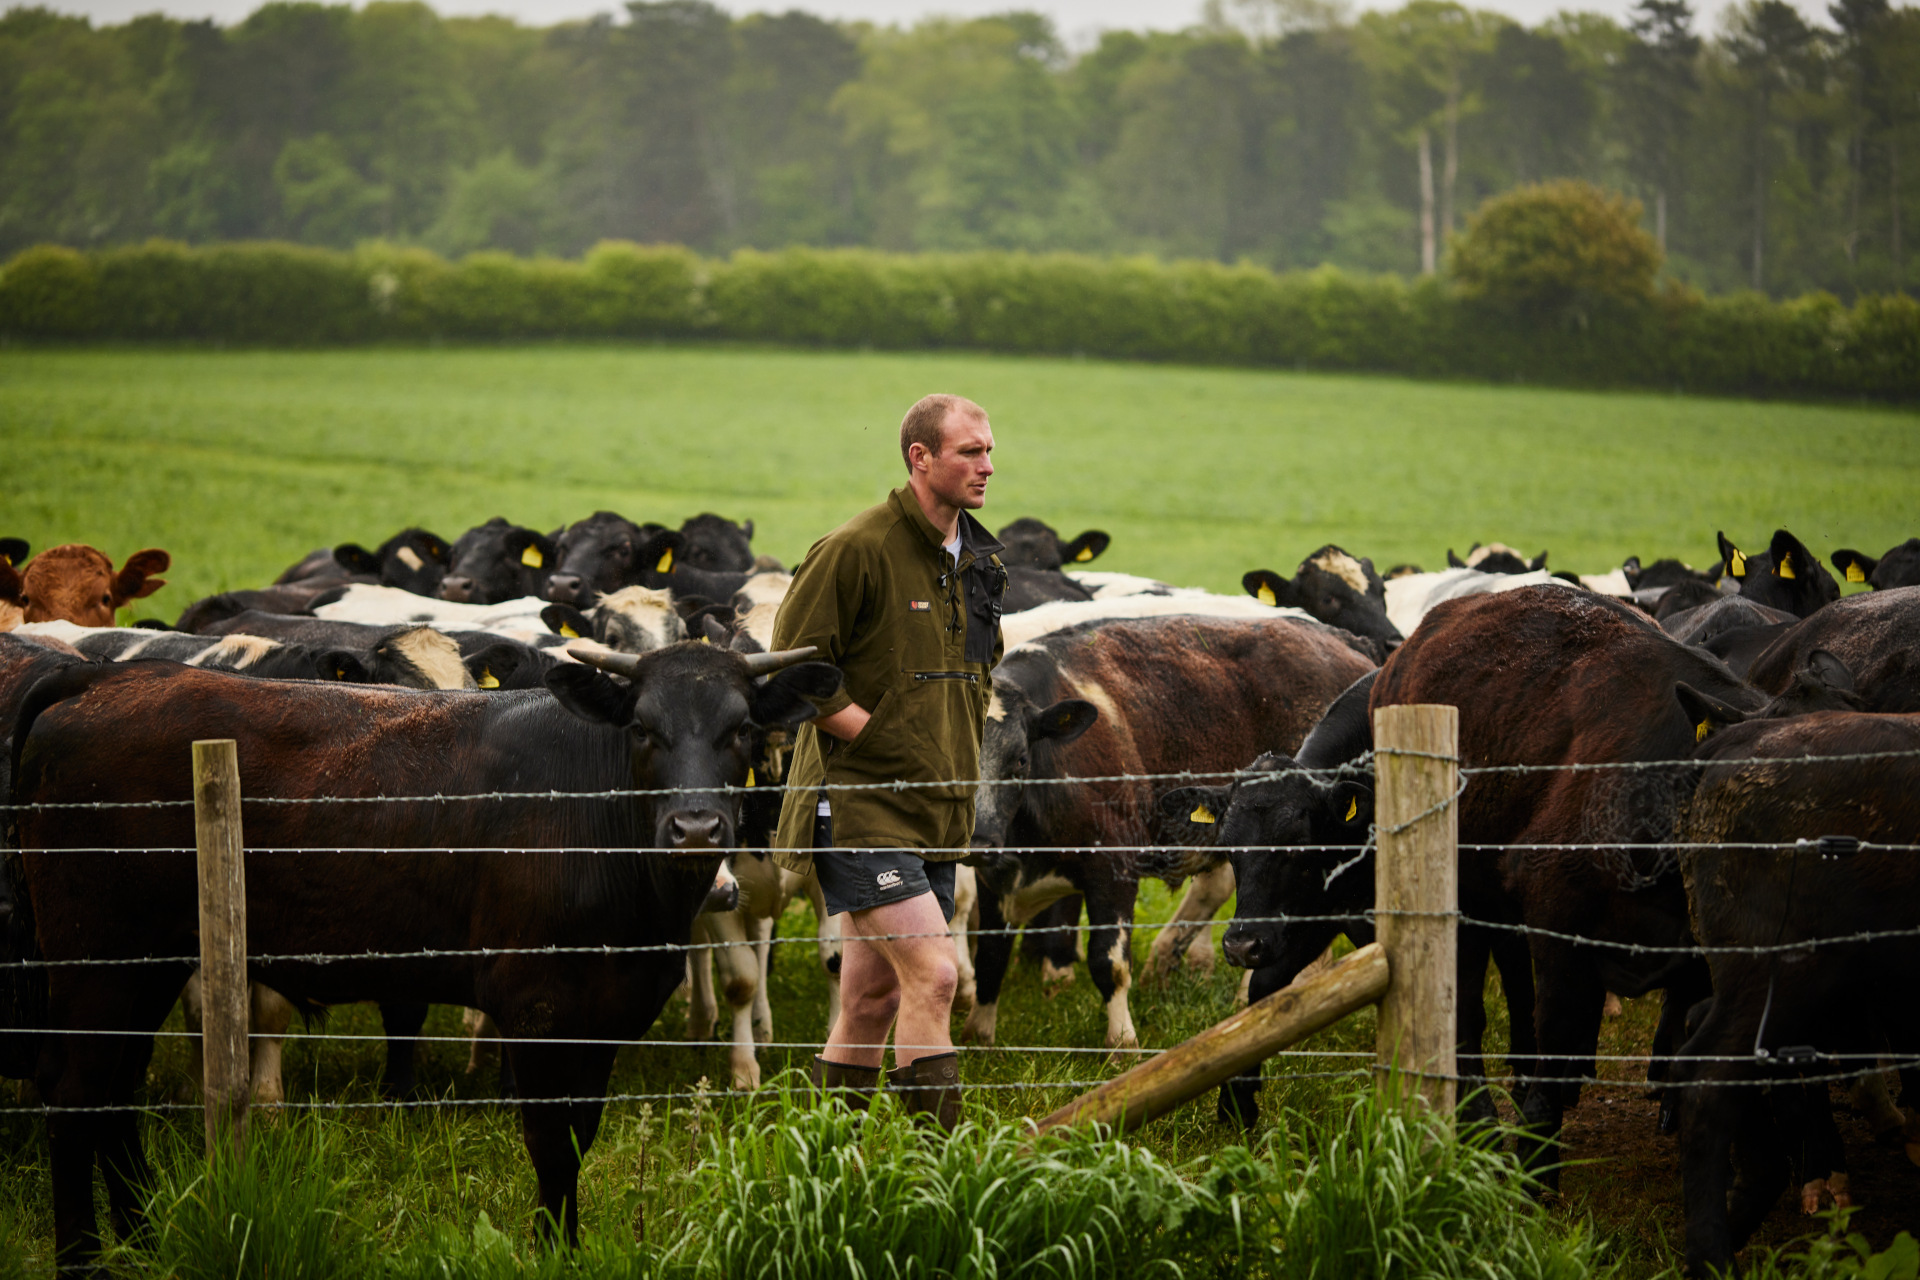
x=619, y=664
x=761, y=664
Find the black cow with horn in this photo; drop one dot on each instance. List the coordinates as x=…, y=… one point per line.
x=648, y=754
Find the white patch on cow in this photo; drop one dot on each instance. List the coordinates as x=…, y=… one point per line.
x=639, y=620
x=1344, y=567
x=1120, y=1032
x=233, y=653
x=997, y=709
x=408, y=557
x=435, y=656
x=1030, y=898
x=757, y=604
x=1108, y=586
x=1411, y=598
x=69, y=632
x=1093, y=691
x=390, y=606
x=766, y=588
x=1025, y=627
x=1475, y=556
x=1608, y=584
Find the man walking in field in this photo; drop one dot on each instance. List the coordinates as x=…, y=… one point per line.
x=905, y=599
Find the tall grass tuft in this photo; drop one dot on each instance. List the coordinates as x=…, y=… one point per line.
x=795, y=1193
x=275, y=1213
x=1385, y=1194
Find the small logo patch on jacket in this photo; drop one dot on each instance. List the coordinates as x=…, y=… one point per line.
x=888, y=879
x=920, y=606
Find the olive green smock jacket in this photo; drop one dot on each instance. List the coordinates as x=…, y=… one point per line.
x=917, y=642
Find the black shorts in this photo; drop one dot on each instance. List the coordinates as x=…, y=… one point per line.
x=855, y=879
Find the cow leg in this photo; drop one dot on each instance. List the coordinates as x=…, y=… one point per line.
x=1515, y=963
x=739, y=964
x=1188, y=932
x=559, y=1134
x=402, y=1023
x=1567, y=1017
x=1239, y=1102
x=764, y=929
x=966, y=900
x=270, y=1017
x=1692, y=985
x=1470, y=1020
x=990, y=970
x=1109, y=956
x=1054, y=937
x=703, y=1010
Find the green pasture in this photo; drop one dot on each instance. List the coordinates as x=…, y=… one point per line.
x=240, y=462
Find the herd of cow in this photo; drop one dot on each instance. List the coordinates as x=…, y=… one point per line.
x=537, y=768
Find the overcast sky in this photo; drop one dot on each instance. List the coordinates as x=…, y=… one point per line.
x=1078, y=20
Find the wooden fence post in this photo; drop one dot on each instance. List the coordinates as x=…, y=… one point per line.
x=1416, y=773
x=223, y=941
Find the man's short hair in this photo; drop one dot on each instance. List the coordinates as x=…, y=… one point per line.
x=926, y=421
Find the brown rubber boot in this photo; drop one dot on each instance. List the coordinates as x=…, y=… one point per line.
x=854, y=1086
x=929, y=1089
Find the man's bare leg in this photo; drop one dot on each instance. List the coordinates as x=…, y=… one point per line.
x=885, y=977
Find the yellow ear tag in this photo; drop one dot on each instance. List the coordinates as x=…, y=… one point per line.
x=487, y=681
x=339, y=673
x=1085, y=554
x=1737, y=566
x=666, y=562
x=749, y=777
x=569, y=632
x=531, y=557
x=1353, y=807
x=1701, y=730
x=1265, y=595
x=1785, y=567
x=1853, y=572
x=706, y=639
x=1201, y=814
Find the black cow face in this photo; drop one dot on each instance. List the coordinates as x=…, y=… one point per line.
x=13, y=550
x=1292, y=840
x=1336, y=588
x=1033, y=543
x=1661, y=573
x=717, y=544
x=692, y=715
x=498, y=561
x=605, y=552
x=1787, y=577
x=1899, y=567
x=411, y=560
x=1496, y=557
x=1019, y=736
x=1820, y=683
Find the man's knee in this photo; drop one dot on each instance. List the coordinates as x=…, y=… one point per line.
x=873, y=1004
x=937, y=978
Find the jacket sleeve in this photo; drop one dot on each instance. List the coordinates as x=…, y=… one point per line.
x=823, y=606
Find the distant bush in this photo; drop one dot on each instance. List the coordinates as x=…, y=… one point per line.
x=1561, y=249
x=1529, y=262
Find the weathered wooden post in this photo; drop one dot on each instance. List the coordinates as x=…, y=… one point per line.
x=1416, y=891
x=223, y=941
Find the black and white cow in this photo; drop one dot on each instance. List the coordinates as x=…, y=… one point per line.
x=1340, y=589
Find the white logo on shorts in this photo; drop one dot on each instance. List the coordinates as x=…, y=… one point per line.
x=888, y=879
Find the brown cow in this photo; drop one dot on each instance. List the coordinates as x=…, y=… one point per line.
x=77, y=584
x=1876, y=634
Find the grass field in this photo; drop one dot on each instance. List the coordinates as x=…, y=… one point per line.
x=239, y=463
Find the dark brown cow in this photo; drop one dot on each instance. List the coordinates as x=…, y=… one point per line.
x=1876, y=634
x=1146, y=696
x=1759, y=786
x=683, y=722
x=1546, y=677
x=78, y=584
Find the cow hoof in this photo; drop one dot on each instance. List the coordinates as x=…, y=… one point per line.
x=980, y=1025
x=1913, y=1152
x=1810, y=1194
x=963, y=1000
x=1055, y=978
x=1837, y=1188
x=1201, y=960
x=1611, y=1009
x=746, y=1078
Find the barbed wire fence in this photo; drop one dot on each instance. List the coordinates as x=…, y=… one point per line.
x=1448, y=917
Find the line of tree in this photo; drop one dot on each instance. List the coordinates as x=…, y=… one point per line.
x=1771, y=154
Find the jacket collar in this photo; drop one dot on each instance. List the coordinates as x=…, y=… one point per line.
x=974, y=537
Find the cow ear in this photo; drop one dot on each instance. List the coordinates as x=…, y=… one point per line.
x=787, y=698
x=1707, y=714
x=1538, y=563
x=1192, y=812
x=595, y=698
x=13, y=587
x=343, y=665
x=1853, y=566
x=13, y=550
x=1062, y=722
x=1267, y=587
x=1088, y=546
x=1630, y=570
x=565, y=620
x=355, y=558
x=1350, y=805
x=1830, y=671
x=134, y=582
x=657, y=556
x=494, y=665
x=534, y=550
x=746, y=527
x=1732, y=561
x=1454, y=561
x=715, y=631
x=436, y=548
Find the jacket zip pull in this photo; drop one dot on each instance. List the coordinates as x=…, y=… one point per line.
x=968, y=676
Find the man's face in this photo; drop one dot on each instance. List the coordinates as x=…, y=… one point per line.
x=958, y=473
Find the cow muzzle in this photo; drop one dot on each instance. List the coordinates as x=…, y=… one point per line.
x=457, y=590
x=694, y=831
x=564, y=588
x=1243, y=950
